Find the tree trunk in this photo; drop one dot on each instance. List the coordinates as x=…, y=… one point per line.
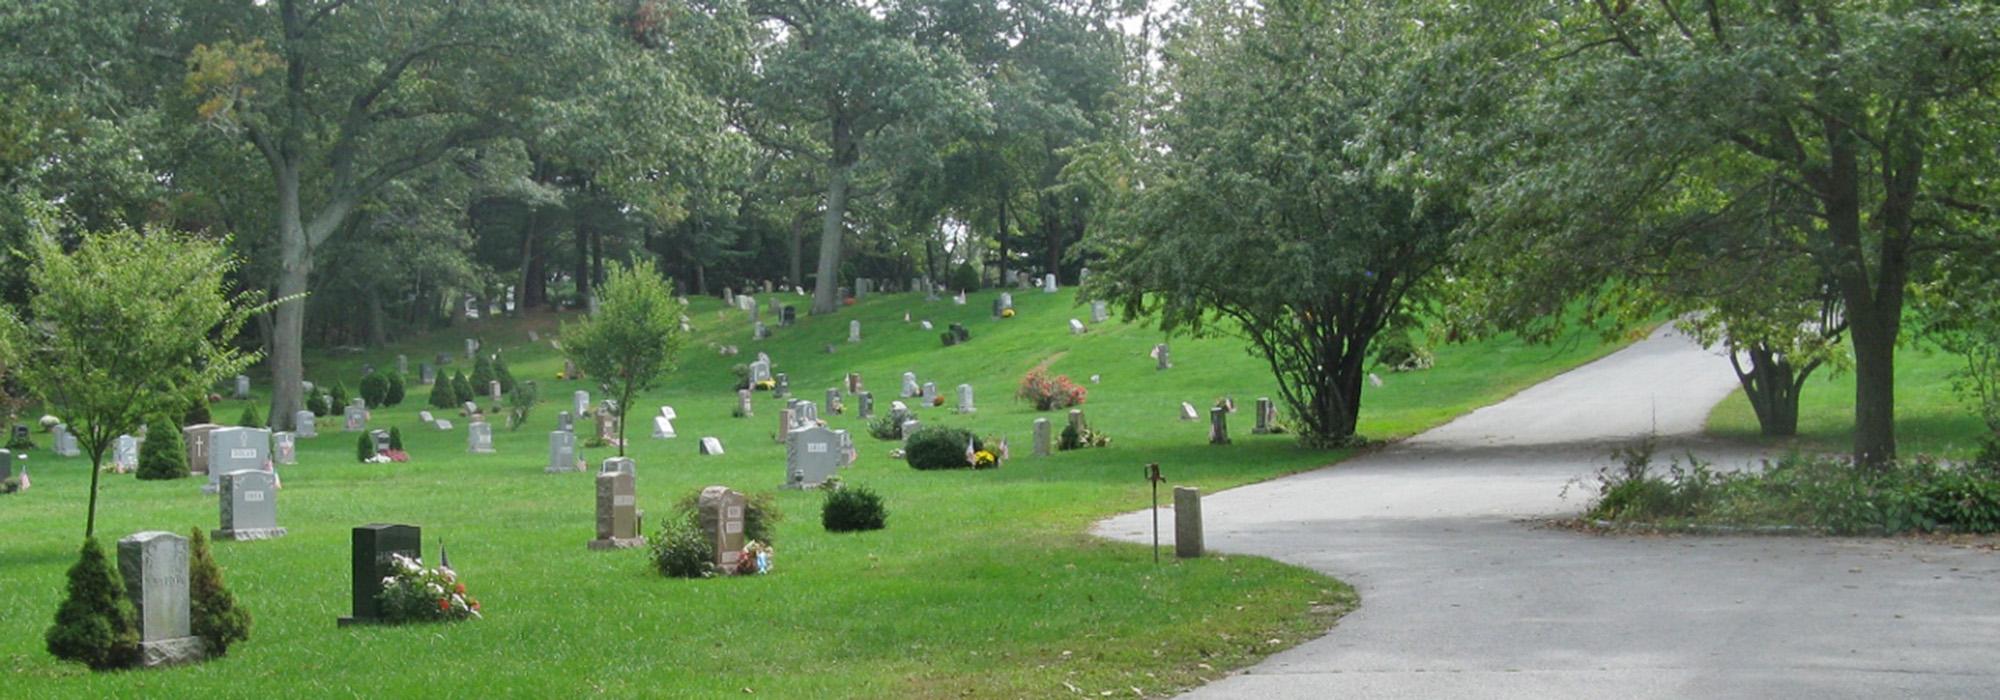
x=1772, y=388
x=531, y=264
x=378, y=332
x=839, y=168
x=1000, y=228
x=700, y=279
x=294, y=270
x=581, y=232
x=796, y=250
x=1874, y=342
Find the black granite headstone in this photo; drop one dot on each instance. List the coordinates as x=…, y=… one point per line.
x=373, y=545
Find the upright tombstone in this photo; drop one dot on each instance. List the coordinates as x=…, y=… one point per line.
x=788, y=316
x=242, y=387
x=1099, y=312
x=998, y=306
x=613, y=465
x=743, y=403
x=471, y=348
x=249, y=502
x=1076, y=327
x=493, y=390
x=617, y=512
x=579, y=403
x=1041, y=437
x=154, y=565
x=759, y=331
x=965, y=398
x=854, y=382
x=479, y=437
x=867, y=409
x=910, y=387
x=930, y=392
x=1076, y=423
x=1006, y=301
x=231, y=449
x=306, y=424
x=373, y=559
x=910, y=427
x=812, y=454
x=65, y=442
x=426, y=373
x=354, y=419
x=569, y=366
x=1187, y=522
x=783, y=386
x=565, y=422
x=760, y=371
x=787, y=420
x=195, y=439
x=854, y=331
x=284, y=447
x=1161, y=358
x=1218, y=426
x=381, y=439
x=403, y=364
x=607, y=426
x=720, y=512
x=1265, y=413
x=124, y=454
x=1049, y=284
x=562, y=452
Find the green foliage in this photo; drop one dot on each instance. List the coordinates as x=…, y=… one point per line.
x=125, y=328
x=162, y=455
x=197, y=412
x=213, y=615
x=939, y=447
x=501, y=373
x=1072, y=439
x=1398, y=350
x=965, y=277
x=250, y=419
x=94, y=625
x=364, y=448
x=482, y=373
x=442, y=395
x=853, y=509
x=521, y=403
x=681, y=550
x=760, y=514
x=339, y=396
x=395, y=395
x=395, y=438
x=884, y=427
x=461, y=389
x=632, y=340
x=319, y=403
x=375, y=389
x=18, y=443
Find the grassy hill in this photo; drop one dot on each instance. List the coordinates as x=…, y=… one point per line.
x=985, y=583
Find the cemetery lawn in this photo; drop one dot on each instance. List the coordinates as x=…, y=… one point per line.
x=1931, y=418
x=985, y=584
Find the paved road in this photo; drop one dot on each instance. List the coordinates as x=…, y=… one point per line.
x=1463, y=597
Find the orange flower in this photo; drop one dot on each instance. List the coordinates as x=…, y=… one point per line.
x=444, y=605
x=461, y=589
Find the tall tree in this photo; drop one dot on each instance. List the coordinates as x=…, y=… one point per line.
x=631, y=342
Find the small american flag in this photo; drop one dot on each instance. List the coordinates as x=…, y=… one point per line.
x=971, y=455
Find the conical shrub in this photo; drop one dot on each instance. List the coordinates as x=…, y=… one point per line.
x=213, y=613
x=161, y=454
x=94, y=626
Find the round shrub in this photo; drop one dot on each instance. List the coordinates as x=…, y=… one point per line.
x=853, y=509
x=395, y=394
x=375, y=389
x=339, y=394
x=482, y=372
x=885, y=427
x=965, y=278
x=939, y=447
x=161, y=454
x=94, y=625
x=682, y=551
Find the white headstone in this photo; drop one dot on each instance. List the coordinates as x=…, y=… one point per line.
x=1187, y=411
x=479, y=437
x=1099, y=312
x=965, y=398
x=854, y=331
x=711, y=446
x=910, y=387
x=1076, y=327
x=1049, y=283
x=663, y=427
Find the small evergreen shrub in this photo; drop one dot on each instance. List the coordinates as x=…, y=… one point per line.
x=442, y=395
x=250, y=419
x=94, y=625
x=520, y=403
x=461, y=389
x=161, y=454
x=197, y=412
x=375, y=390
x=395, y=438
x=853, y=509
x=682, y=550
x=339, y=397
x=364, y=448
x=319, y=403
x=482, y=372
x=939, y=447
x=885, y=427
x=214, y=615
x=502, y=374
x=395, y=395
x=760, y=513
x=965, y=278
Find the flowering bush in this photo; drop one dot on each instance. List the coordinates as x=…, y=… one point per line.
x=416, y=594
x=1050, y=394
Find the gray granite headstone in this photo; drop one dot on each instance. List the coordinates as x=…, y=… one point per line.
x=1265, y=413
x=65, y=443
x=743, y=408
x=617, y=512
x=579, y=402
x=242, y=387
x=562, y=452
x=426, y=416
x=965, y=398
x=284, y=447
x=1161, y=357
x=663, y=427
x=125, y=453
x=426, y=373
x=1187, y=522
x=304, y=423
x=565, y=422
x=711, y=446
x=1099, y=312
x=1041, y=437
x=373, y=549
x=930, y=393
x=381, y=438
x=854, y=382
x=154, y=565
x=910, y=387
x=354, y=419
x=783, y=387
x=479, y=437
x=1049, y=283
x=493, y=390
x=867, y=405
x=1218, y=426
x=854, y=331
x=403, y=364
x=1188, y=412
x=471, y=348
x=811, y=455
x=231, y=449
x=249, y=500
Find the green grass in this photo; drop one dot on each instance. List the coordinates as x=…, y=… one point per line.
x=1930, y=417
x=984, y=584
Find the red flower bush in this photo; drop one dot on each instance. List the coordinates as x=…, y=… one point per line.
x=1050, y=394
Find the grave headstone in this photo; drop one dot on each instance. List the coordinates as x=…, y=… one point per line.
x=854, y=382
x=1041, y=437
x=1187, y=411
x=381, y=439
x=231, y=449
x=783, y=388
x=789, y=316
x=930, y=393
x=284, y=447
x=306, y=424
x=427, y=373
x=569, y=366
x=125, y=454
x=1187, y=522
x=711, y=446
x=667, y=412
x=1076, y=327
x=910, y=426
x=1076, y=420
x=965, y=398
x=249, y=502
x=469, y=408
x=1265, y=413
x=867, y=405
x=442, y=424
x=354, y=419
x=471, y=348
x=959, y=299
x=910, y=387
x=720, y=512
x=65, y=442
x=426, y=416
x=663, y=427
x=787, y=419
x=1161, y=358
x=195, y=439
x=812, y=454
x=565, y=422
x=493, y=391
x=1218, y=426
x=1006, y=301
x=579, y=403
x=562, y=452
x=854, y=331
x=760, y=371
x=833, y=403
x=479, y=437
x=998, y=307
x=617, y=512
x=614, y=465
x=1099, y=312
x=607, y=426
x=242, y=387
x=373, y=549
x=154, y=566
x=1049, y=284
x=403, y=365
x=925, y=324
x=959, y=331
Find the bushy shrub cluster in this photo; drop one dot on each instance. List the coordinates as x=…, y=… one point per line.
x=375, y=389
x=885, y=427
x=681, y=550
x=213, y=613
x=940, y=447
x=94, y=625
x=395, y=393
x=197, y=412
x=161, y=454
x=250, y=419
x=1050, y=393
x=853, y=509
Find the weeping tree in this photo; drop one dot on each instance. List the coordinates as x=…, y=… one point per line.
x=1252, y=157
x=124, y=328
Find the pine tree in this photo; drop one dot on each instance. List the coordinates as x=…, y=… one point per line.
x=250, y=419
x=395, y=438
x=339, y=394
x=396, y=389
x=95, y=624
x=482, y=372
x=501, y=373
x=197, y=412
x=442, y=395
x=461, y=389
x=161, y=454
x=364, y=448
x=213, y=614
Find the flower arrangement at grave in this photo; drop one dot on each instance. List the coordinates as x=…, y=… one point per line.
x=1006, y=313
x=49, y=423
x=413, y=593
x=1073, y=439
x=1050, y=393
x=937, y=400
x=757, y=556
x=767, y=385
x=985, y=459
